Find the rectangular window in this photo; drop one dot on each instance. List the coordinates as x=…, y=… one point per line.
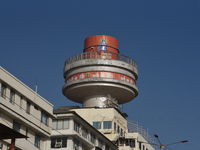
x=16, y=126
x=121, y=142
x=44, y=118
x=64, y=142
x=76, y=144
x=143, y=147
x=107, y=124
x=115, y=126
x=140, y=145
x=100, y=144
x=37, y=141
x=121, y=132
x=12, y=96
x=66, y=123
x=118, y=129
x=132, y=143
x=60, y=124
x=93, y=139
x=76, y=127
x=53, y=142
x=84, y=133
x=21, y=98
x=3, y=91
x=54, y=124
x=26, y=132
x=97, y=124
x=28, y=105
x=127, y=142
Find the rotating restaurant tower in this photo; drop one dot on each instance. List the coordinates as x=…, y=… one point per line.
x=100, y=74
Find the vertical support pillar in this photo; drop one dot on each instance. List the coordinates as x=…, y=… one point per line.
x=12, y=146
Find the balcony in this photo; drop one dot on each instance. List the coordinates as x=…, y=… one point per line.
x=101, y=55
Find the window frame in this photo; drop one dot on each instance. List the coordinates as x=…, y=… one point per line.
x=65, y=124
x=97, y=124
x=44, y=118
x=118, y=129
x=107, y=125
x=16, y=126
x=37, y=141
x=76, y=127
x=12, y=96
x=28, y=107
x=3, y=90
x=21, y=102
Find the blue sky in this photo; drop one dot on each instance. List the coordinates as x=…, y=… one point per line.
x=163, y=37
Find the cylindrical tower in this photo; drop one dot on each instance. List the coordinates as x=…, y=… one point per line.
x=98, y=72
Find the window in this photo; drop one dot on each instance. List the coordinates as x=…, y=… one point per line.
x=115, y=126
x=76, y=144
x=84, y=133
x=59, y=142
x=107, y=124
x=37, y=141
x=26, y=132
x=118, y=129
x=3, y=91
x=100, y=144
x=97, y=125
x=93, y=139
x=76, y=127
x=44, y=118
x=143, y=147
x=28, y=104
x=16, y=126
x=140, y=145
x=121, y=132
x=21, y=98
x=60, y=124
x=12, y=96
x=130, y=142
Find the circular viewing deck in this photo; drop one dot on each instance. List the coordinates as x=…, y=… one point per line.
x=97, y=74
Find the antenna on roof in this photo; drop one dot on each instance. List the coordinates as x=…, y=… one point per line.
x=36, y=86
x=35, y=89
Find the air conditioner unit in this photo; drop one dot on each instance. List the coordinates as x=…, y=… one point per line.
x=58, y=144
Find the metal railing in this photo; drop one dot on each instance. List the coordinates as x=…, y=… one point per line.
x=134, y=127
x=101, y=55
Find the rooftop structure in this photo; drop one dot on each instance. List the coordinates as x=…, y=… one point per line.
x=100, y=72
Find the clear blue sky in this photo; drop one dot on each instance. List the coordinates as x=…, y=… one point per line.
x=162, y=36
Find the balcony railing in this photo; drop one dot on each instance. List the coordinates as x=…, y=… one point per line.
x=101, y=55
x=134, y=127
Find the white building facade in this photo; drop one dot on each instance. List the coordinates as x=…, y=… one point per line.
x=114, y=125
x=23, y=110
x=72, y=132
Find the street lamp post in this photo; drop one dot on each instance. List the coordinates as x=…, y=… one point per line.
x=162, y=146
